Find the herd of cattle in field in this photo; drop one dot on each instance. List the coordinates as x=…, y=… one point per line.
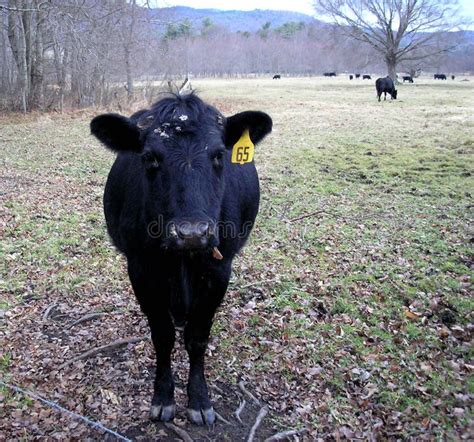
x=382, y=85
x=408, y=78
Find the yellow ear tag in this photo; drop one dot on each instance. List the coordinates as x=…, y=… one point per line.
x=243, y=150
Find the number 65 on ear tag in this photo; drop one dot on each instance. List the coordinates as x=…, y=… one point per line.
x=243, y=150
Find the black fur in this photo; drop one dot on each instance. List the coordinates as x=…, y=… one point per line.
x=177, y=172
x=116, y=132
x=259, y=124
x=385, y=86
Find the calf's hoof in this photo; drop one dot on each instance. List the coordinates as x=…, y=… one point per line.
x=201, y=417
x=162, y=413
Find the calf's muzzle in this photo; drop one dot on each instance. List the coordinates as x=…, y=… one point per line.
x=190, y=235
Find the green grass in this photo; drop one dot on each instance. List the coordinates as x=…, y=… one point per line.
x=388, y=187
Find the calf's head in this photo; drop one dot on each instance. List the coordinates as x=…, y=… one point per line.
x=184, y=145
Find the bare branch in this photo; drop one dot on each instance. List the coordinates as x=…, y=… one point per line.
x=183, y=434
x=15, y=9
x=97, y=350
x=247, y=393
x=285, y=435
x=239, y=410
x=262, y=413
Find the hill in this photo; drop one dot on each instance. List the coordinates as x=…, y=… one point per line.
x=233, y=20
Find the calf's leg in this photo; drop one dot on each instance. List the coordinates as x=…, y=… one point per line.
x=196, y=335
x=162, y=335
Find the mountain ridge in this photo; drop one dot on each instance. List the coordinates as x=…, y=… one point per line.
x=234, y=20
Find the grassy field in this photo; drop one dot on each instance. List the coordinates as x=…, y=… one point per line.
x=350, y=312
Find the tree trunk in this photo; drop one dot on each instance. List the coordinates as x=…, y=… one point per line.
x=37, y=61
x=16, y=36
x=128, y=70
x=4, y=68
x=29, y=35
x=60, y=62
x=128, y=51
x=391, y=67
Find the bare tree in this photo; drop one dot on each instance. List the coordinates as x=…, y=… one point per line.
x=25, y=20
x=128, y=38
x=399, y=30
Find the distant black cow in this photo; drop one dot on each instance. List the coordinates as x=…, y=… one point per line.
x=351, y=77
x=329, y=74
x=408, y=78
x=385, y=85
x=453, y=77
x=357, y=75
x=366, y=77
x=179, y=210
x=439, y=76
x=277, y=77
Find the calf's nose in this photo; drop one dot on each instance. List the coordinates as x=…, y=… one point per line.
x=191, y=235
x=192, y=229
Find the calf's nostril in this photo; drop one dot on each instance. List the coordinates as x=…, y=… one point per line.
x=202, y=229
x=184, y=230
x=191, y=230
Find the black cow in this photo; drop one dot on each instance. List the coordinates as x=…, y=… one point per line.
x=408, y=78
x=439, y=77
x=277, y=77
x=357, y=75
x=179, y=210
x=366, y=77
x=385, y=85
x=453, y=77
x=329, y=74
x=351, y=77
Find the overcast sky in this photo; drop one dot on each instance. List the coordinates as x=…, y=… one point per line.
x=286, y=5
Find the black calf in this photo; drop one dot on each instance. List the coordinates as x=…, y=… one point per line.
x=329, y=74
x=179, y=209
x=366, y=77
x=439, y=76
x=385, y=85
x=276, y=77
x=408, y=78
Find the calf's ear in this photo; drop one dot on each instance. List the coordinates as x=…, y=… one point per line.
x=116, y=132
x=258, y=123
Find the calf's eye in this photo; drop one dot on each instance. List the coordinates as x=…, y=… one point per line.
x=217, y=158
x=150, y=161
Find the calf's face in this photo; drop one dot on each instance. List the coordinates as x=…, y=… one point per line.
x=184, y=149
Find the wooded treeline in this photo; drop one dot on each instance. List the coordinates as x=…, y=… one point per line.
x=70, y=53
x=58, y=54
